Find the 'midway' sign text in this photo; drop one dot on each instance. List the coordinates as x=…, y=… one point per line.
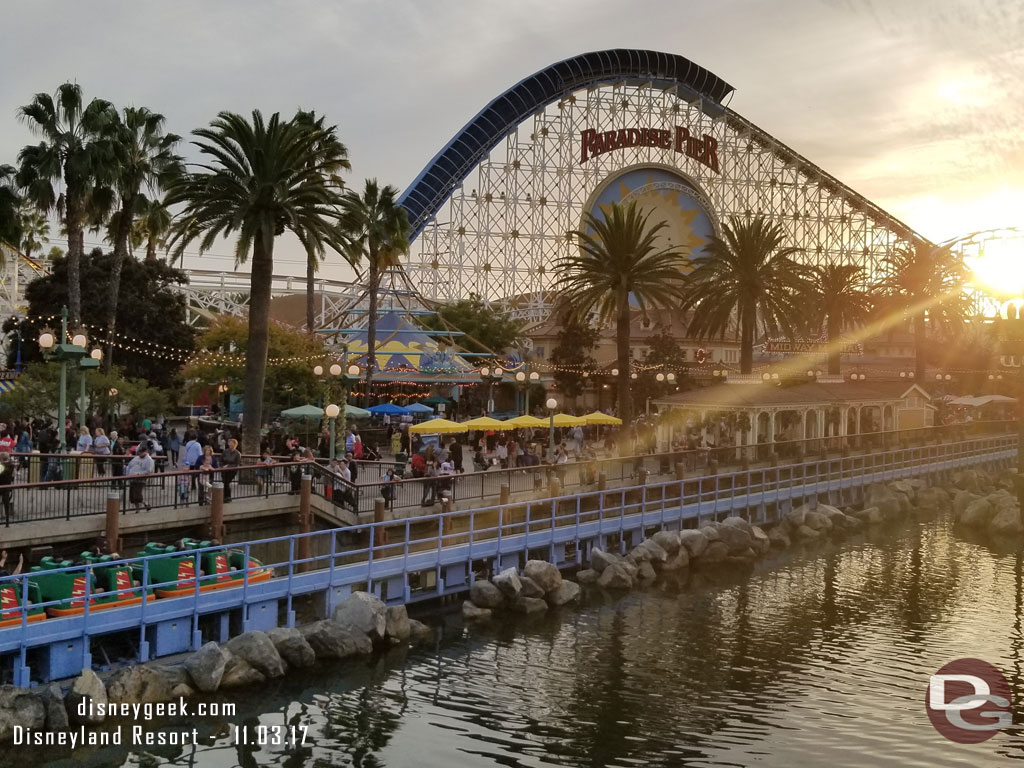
x=703, y=150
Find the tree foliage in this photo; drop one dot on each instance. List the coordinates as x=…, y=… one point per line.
x=571, y=354
x=484, y=329
x=838, y=301
x=37, y=394
x=258, y=179
x=748, y=275
x=151, y=313
x=287, y=385
x=619, y=263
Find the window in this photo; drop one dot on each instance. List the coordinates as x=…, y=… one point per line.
x=646, y=323
x=730, y=356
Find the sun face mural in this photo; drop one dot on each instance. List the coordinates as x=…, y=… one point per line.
x=667, y=197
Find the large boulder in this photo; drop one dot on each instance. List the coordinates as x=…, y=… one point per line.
x=546, y=575
x=649, y=551
x=868, y=515
x=904, y=487
x=206, y=667
x=419, y=632
x=599, y=559
x=587, y=576
x=961, y=501
x=508, y=582
x=87, y=692
x=806, y=533
x=138, y=684
x=715, y=552
x=968, y=480
x=794, y=518
x=485, y=594
x=362, y=612
x=1005, y=523
x=398, y=630
x=693, y=541
x=258, y=650
x=667, y=540
x=646, y=572
x=615, y=577
x=977, y=514
x=778, y=537
x=759, y=539
x=566, y=592
x=472, y=612
x=529, y=605
x=292, y=647
x=834, y=515
x=56, y=713
x=19, y=707
x=737, y=522
x=853, y=524
x=817, y=521
x=679, y=560
x=735, y=538
x=330, y=640
x=530, y=588
x=882, y=497
x=710, y=532
x=631, y=568
x=239, y=673
x=932, y=499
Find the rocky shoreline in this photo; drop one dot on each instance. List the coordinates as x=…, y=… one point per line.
x=361, y=623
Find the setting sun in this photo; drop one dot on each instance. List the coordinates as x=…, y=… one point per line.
x=997, y=263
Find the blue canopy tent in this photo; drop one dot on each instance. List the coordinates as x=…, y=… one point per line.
x=390, y=409
x=418, y=408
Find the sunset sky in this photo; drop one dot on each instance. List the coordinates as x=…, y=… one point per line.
x=914, y=103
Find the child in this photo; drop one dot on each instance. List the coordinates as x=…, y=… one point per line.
x=205, y=477
x=263, y=473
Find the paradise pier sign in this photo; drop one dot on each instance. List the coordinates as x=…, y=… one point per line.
x=704, y=150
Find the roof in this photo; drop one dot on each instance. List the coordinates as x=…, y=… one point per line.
x=741, y=396
x=458, y=157
x=403, y=347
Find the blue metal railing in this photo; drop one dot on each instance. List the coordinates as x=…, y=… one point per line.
x=431, y=543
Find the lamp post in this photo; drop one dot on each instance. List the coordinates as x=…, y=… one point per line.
x=332, y=412
x=490, y=378
x=552, y=404
x=92, y=361
x=223, y=393
x=63, y=352
x=351, y=377
x=526, y=381
x=111, y=394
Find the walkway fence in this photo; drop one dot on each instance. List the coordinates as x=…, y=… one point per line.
x=438, y=554
x=64, y=499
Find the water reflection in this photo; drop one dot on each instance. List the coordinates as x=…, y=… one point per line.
x=817, y=658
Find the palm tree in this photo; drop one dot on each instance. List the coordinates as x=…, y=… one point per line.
x=838, y=300
x=925, y=286
x=10, y=204
x=377, y=228
x=619, y=262
x=76, y=150
x=338, y=154
x=258, y=179
x=35, y=230
x=747, y=274
x=152, y=222
x=145, y=162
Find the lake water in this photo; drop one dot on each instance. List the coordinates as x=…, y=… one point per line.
x=816, y=658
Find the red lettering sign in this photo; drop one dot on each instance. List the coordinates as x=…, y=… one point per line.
x=703, y=149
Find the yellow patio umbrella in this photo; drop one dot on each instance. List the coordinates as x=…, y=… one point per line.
x=438, y=427
x=597, y=417
x=565, y=420
x=486, y=422
x=525, y=421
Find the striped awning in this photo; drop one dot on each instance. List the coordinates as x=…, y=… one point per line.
x=7, y=385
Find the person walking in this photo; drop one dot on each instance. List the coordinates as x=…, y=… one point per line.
x=230, y=460
x=84, y=440
x=117, y=454
x=6, y=480
x=138, y=468
x=24, y=448
x=101, y=449
x=173, y=447
x=389, y=488
x=455, y=452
